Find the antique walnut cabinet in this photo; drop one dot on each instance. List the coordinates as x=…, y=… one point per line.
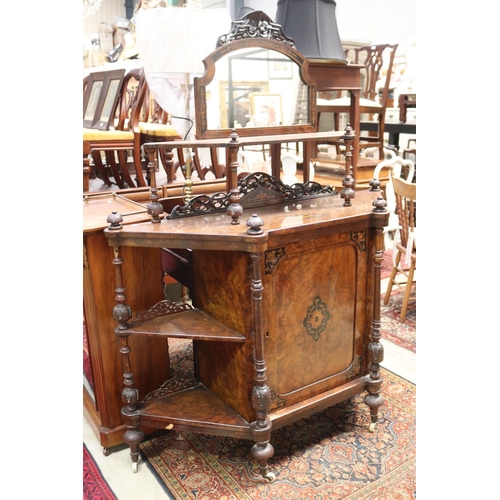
x=285, y=312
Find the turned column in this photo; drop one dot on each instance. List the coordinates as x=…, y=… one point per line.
x=374, y=399
x=262, y=450
x=122, y=314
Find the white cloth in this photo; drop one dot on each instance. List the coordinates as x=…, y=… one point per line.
x=172, y=44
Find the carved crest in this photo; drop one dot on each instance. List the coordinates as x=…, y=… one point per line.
x=255, y=24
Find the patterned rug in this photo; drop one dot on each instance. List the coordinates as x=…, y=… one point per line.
x=329, y=455
x=95, y=486
x=392, y=328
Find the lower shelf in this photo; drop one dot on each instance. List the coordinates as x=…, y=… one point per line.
x=189, y=405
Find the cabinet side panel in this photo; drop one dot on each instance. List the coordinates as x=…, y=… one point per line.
x=222, y=290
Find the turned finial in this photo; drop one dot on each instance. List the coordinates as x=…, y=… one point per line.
x=255, y=224
x=374, y=185
x=379, y=205
x=114, y=220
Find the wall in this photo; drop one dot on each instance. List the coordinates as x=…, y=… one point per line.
x=377, y=21
x=373, y=21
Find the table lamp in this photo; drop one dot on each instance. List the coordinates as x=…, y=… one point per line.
x=312, y=24
x=172, y=42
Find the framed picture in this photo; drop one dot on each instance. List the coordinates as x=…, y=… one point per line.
x=110, y=94
x=280, y=69
x=266, y=109
x=100, y=98
x=91, y=97
x=238, y=103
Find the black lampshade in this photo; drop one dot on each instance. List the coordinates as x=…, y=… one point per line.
x=312, y=24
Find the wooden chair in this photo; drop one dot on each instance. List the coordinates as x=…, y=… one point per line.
x=115, y=145
x=374, y=100
x=405, y=246
x=396, y=166
x=150, y=124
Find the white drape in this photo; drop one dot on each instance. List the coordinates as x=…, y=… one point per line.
x=172, y=43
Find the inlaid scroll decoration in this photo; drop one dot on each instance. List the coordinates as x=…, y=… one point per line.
x=355, y=367
x=276, y=401
x=359, y=239
x=272, y=258
x=316, y=318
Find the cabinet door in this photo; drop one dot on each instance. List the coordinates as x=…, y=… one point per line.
x=316, y=315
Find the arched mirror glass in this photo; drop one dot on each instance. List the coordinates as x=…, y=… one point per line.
x=258, y=86
x=255, y=87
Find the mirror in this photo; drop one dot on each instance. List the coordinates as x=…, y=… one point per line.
x=258, y=86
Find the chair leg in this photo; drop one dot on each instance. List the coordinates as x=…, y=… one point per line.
x=100, y=170
x=137, y=153
x=407, y=292
x=110, y=160
x=123, y=163
x=392, y=278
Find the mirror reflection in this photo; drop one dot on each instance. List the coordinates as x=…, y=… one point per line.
x=256, y=87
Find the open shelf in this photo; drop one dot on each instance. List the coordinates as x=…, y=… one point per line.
x=189, y=405
x=190, y=324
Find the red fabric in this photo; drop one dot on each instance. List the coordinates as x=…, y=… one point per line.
x=95, y=486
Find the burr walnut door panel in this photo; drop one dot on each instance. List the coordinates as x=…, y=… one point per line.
x=315, y=315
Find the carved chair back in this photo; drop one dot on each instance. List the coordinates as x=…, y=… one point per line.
x=377, y=59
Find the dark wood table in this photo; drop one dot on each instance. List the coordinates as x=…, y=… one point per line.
x=338, y=77
x=393, y=129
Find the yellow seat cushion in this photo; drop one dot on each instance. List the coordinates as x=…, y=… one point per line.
x=158, y=130
x=90, y=134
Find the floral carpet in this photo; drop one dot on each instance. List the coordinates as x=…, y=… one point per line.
x=329, y=455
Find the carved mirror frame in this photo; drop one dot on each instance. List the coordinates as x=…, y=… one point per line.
x=255, y=30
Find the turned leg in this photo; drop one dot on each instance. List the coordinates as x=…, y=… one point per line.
x=375, y=349
x=130, y=395
x=133, y=435
x=262, y=450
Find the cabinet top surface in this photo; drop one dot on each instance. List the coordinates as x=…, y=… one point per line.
x=96, y=209
x=215, y=231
